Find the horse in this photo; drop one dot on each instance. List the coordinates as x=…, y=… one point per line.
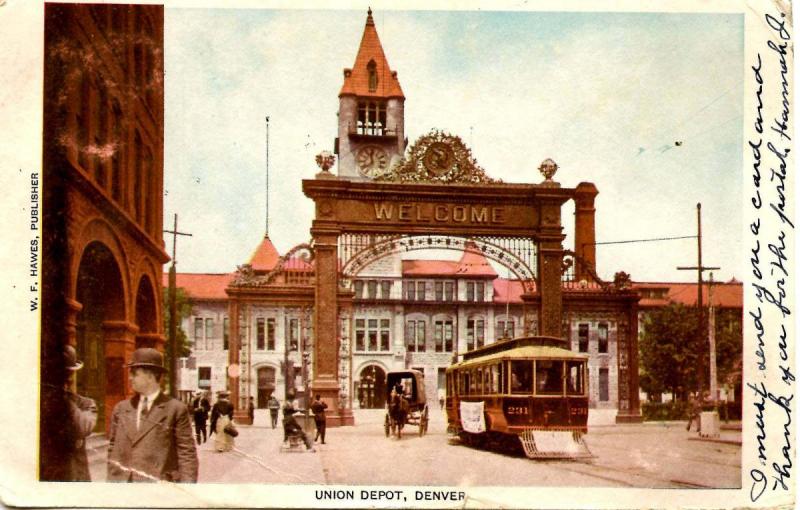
x=398, y=411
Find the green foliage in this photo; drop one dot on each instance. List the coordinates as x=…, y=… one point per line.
x=666, y=411
x=183, y=308
x=669, y=350
x=672, y=357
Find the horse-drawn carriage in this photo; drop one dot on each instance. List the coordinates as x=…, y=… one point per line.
x=405, y=402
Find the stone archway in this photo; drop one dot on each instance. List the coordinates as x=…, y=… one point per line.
x=100, y=294
x=265, y=377
x=372, y=387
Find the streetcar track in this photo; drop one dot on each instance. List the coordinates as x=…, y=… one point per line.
x=701, y=460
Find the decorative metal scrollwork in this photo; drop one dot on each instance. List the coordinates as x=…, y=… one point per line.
x=245, y=275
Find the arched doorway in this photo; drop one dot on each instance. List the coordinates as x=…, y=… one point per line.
x=146, y=308
x=372, y=387
x=266, y=386
x=100, y=292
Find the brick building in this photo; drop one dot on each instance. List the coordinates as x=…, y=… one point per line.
x=102, y=198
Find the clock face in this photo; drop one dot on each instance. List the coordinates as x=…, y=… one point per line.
x=372, y=161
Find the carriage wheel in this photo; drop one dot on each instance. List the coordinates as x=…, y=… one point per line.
x=386, y=425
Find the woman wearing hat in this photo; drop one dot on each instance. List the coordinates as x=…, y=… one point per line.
x=221, y=417
x=82, y=419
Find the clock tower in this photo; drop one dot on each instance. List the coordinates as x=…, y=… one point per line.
x=371, y=137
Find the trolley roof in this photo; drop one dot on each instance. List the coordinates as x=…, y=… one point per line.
x=525, y=352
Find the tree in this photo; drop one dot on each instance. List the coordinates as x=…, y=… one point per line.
x=184, y=309
x=670, y=350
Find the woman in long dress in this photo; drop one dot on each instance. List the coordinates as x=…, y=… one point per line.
x=221, y=416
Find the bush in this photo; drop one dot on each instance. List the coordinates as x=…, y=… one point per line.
x=665, y=411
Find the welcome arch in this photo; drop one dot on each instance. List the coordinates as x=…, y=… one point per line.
x=357, y=222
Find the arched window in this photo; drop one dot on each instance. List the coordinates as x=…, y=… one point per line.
x=372, y=70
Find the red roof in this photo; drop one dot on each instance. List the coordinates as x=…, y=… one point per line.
x=201, y=285
x=265, y=256
x=356, y=80
x=472, y=264
x=507, y=291
x=725, y=295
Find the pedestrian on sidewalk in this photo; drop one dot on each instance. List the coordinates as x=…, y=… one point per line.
x=221, y=417
x=81, y=422
x=273, y=405
x=251, y=411
x=318, y=408
x=151, y=434
x=200, y=408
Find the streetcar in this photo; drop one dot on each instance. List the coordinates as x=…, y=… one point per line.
x=529, y=391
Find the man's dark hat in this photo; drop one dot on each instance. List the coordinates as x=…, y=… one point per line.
x=71, y=359
x=147, y=357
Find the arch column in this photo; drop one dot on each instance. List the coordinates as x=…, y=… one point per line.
x=326, y=324
x=119, y=342
x=73, y=309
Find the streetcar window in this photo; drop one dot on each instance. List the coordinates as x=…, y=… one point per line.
x=478, y=381
x=548, y=377
x=487, y=381
x=575, y=380
x=521, y=376
x=465, y=383
x=503, y=387
x=495, y=384
x=473, y=387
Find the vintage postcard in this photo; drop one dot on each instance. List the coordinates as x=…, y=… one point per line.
x=355, y=255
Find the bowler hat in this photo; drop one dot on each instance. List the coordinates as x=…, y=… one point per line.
x=71, y=359
x=147, y=357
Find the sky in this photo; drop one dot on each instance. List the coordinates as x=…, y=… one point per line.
x=647, y=106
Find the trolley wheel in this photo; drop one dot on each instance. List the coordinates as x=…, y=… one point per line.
x=386, y=426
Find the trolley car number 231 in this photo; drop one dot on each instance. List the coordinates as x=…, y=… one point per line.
x=517, y=410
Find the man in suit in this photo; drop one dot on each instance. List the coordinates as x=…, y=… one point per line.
x=318, y=407
x=81, y=422
x=151, y=435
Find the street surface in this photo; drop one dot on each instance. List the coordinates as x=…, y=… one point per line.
x=651, y=455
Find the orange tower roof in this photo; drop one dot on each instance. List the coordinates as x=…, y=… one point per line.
x=265, y=257
x=356, y=80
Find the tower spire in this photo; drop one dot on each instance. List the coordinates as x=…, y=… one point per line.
x=370, y=21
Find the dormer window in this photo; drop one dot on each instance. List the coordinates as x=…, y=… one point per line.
x=372, y=71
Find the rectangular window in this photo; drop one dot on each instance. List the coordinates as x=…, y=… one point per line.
x=575, y=378
x=226, y=325
x=583, y=337
x=438, y=335
x=420, y=336
x=372, y=334
x=470, y=291
x=548, y=377
x=521, y=376
x=204, y=378
x=505, y=329
x=411, y=336
x=475, y=334
x=294, y=334
x=385, y=338
x=420, y=291
x=260, y=334
x=360, y=334
x=358, y=289
x=602, y=337
x=603, y=384
x=448, y=336
x=198, y=333
x=439, y=290
x=386, y=289
x=372, y=289
x=410, y=290
x=371, y=118
x=270, y=334
x=480, y=290
x=448, y=291
x=209, y=333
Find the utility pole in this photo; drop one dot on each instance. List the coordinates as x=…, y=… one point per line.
x=701, y=330
x=172, y=348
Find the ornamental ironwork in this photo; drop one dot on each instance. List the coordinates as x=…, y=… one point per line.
x=517, y=254
x=438, y=157
x=246, y=276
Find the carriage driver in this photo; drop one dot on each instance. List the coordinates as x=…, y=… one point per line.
x=291, y=427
